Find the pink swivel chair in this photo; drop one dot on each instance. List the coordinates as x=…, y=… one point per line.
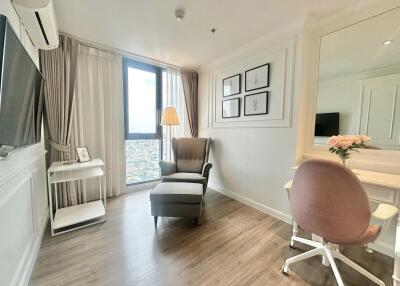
x=328, y=200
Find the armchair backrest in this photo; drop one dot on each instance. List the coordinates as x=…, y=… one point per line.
x=190, y=154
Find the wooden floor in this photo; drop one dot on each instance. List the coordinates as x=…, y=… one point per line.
x=233, y=245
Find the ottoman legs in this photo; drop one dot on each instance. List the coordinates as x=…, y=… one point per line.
x=196, y=221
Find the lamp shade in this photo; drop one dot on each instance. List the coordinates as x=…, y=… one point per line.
x=170, y=117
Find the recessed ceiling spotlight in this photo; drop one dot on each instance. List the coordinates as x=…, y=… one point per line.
x=388, y=42
x=179, y=14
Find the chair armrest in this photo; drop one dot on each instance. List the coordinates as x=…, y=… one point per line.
x=206, y=170
x=385, y=212
x=288, y=188
x=167, y=168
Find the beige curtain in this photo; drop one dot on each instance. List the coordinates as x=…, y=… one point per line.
x=190, y=90
x=59, y=71
x=98, y=120
x=172, y=91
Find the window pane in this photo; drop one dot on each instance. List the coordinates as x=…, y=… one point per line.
x=142, y=101
x=142, y=157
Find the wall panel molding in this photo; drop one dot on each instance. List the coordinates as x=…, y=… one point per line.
x=18, y=161
x=281, y=57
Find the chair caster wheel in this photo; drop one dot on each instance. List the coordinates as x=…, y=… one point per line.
x=367, y=249
x=285, y=270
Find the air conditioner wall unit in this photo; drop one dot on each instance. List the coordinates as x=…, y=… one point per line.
x=39, y=20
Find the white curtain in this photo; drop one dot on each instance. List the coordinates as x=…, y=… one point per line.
x=98, y=120
x=173, y=96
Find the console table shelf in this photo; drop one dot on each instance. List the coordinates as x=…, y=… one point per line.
x=71, y=218
x=76, y=214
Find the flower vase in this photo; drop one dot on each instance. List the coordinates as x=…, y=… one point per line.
x=346, y=160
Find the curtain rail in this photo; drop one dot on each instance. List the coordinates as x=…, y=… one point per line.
x=124, y=53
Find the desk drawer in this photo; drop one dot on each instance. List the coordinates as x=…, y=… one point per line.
x=380, y=194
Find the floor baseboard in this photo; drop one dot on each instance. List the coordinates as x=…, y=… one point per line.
x=265, y=209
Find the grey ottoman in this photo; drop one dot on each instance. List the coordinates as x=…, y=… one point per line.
x=177, y=200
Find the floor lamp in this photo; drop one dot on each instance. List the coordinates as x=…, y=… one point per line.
x=169, y=118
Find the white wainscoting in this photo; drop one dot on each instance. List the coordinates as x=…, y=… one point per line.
x=23, y=193
x=23, y=213
x=368, y=105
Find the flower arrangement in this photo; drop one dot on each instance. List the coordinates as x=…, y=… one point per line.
x=342, y=145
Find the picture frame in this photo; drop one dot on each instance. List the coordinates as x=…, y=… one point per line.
x=256, y=104
x=257, y=77
x=232, y=85
x=83, y=154
x=231, y=108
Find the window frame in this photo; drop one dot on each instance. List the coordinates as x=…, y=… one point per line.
x=129, y=63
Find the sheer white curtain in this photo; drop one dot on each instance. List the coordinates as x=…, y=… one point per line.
x=173, y=96
x=98, y=121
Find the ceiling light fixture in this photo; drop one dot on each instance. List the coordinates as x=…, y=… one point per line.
x=388, y=42
x=179, y=14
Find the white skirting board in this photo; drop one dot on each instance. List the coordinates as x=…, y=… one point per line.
x=378, y=246
x=265, y=209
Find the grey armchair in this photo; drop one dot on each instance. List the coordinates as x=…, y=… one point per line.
x=191, y=162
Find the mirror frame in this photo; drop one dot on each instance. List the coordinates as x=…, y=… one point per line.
x=314, y=30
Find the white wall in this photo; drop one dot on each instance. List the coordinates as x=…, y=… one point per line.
x=252, y=160
x=23, y=194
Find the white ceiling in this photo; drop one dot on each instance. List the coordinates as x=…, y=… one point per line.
x=149, y=28
x=359, y=48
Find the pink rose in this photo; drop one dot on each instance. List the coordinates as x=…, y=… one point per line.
x=345, y=141
x=364, y=138
x=356, y=139
x=333, y=141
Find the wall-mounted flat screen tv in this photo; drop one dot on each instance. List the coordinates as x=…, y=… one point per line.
x=21, y=92
x=327, y=124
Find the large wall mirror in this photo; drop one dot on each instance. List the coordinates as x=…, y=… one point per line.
x=359, y=82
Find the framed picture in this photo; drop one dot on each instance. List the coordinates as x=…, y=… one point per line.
x=83, y=154
x=232, y=85
x=231, y=108
x=256, y=104
x=257, y=78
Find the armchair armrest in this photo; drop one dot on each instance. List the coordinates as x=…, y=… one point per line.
x=167, y=168
x=385, y=212
x=206, y=170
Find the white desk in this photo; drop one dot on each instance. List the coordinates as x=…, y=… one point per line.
x=383, y=188
x=80, y=215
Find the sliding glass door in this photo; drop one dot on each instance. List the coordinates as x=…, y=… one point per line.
x=142, y=93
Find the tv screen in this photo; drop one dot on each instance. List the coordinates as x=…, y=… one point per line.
x=327, y=124
x=21, y=92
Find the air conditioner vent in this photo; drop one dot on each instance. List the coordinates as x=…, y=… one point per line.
x=41, y=27
x=40, y=22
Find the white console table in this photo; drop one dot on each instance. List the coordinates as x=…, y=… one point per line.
x=71, y=218
x=382, y=188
